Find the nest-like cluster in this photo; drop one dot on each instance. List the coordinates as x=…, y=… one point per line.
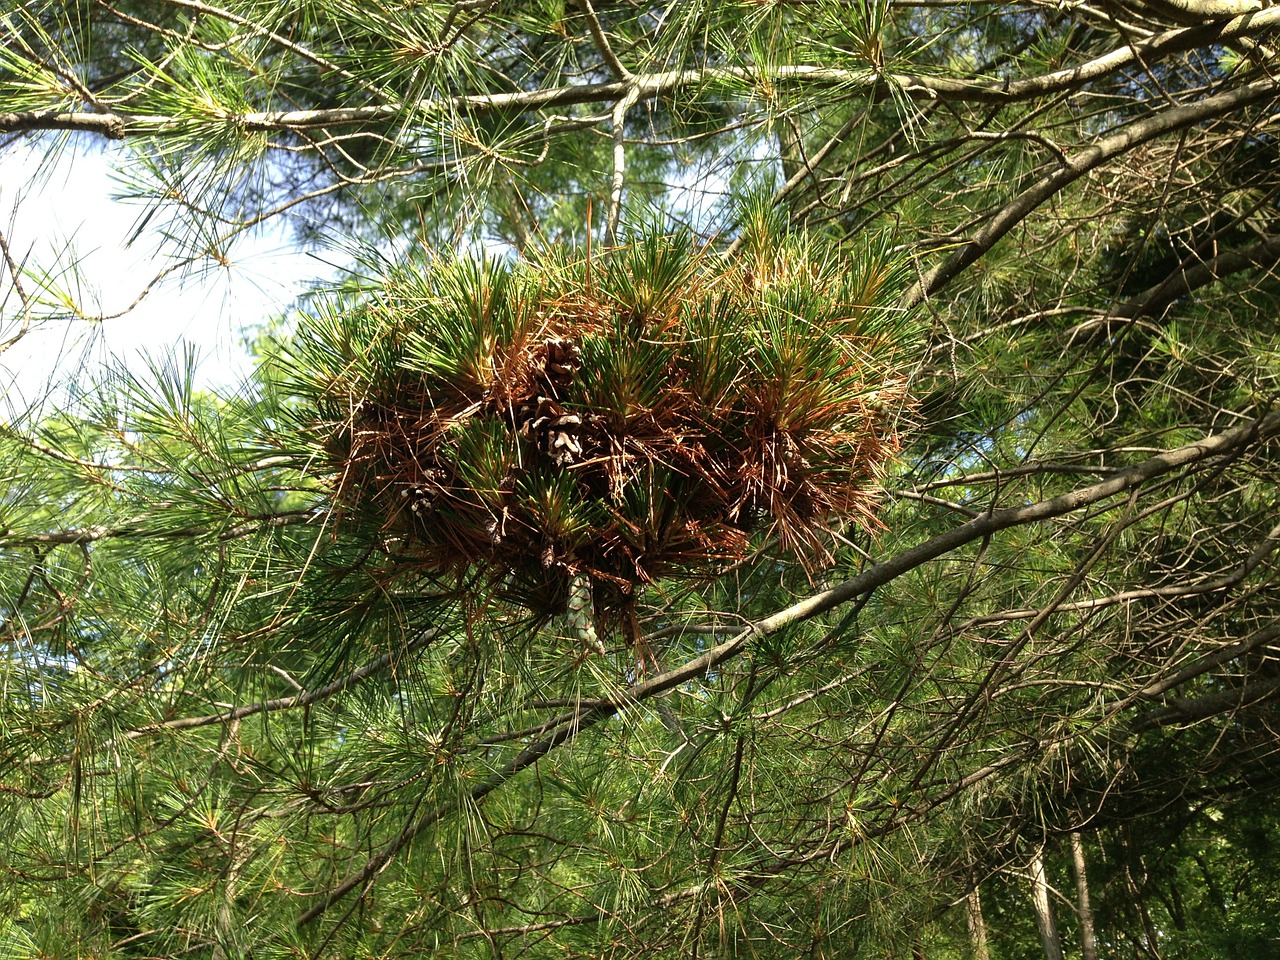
x=644, y=414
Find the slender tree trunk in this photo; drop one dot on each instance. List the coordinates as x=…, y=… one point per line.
x=1044, y=911
x=1138, y=895
x=977, y=925
x=1088, y=944
x=790, y=150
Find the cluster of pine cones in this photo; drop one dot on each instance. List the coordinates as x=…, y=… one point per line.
x=542, y=420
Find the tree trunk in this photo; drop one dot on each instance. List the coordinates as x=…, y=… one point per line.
x=1088, y=944
x=1044, y=911
x=1138, y=894
x=977, y=925
x=790, y=149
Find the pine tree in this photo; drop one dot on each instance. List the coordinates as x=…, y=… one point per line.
x=777, y=572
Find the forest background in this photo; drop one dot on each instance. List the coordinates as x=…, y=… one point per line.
x=838, y=518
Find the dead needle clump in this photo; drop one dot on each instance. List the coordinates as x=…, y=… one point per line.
x=651, y=413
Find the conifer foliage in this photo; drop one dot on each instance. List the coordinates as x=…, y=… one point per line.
x=622, y=417
x=955, y=555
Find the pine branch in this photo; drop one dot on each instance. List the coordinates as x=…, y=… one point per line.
x=877, y=86
x=113, y=126
x=1230, y=443
x=81, y=535
x=303, y=699
x=1188, y=278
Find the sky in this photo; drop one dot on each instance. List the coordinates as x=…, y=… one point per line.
x=62, y=219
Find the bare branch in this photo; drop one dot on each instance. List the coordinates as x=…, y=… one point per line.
x=602, y=42
x=1189, y=710
x=15, y=277
x=110, y=125
x=619, y=164
x=1187, y=279
x=1126, y=138
x=250, y=526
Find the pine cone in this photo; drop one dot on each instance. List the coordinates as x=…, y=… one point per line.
x=554, y=432
x=422, y=495
x=563, y=359
x=580, y=613
x=561, y=441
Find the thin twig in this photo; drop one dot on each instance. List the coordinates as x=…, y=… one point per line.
x=15, y=274
x=303, y=699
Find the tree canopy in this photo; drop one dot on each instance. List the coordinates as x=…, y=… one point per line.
x=837, y=517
